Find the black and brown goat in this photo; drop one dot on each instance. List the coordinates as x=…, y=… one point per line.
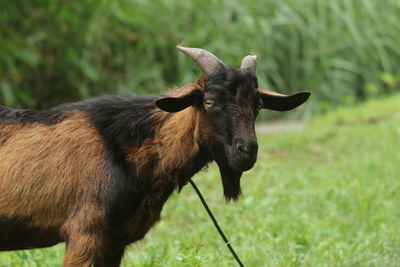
x=95, y=174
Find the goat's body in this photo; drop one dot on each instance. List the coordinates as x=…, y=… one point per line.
x=94, y=174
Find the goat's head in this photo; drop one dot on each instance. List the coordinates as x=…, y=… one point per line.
x=229, y=102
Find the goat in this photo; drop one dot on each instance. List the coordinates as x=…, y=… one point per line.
x=95, y=174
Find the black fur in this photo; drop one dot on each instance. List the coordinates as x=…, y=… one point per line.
x=236, y=107
x=231, y=79
x=23, y=116
x=15, y=234
x=123, y=194
x=122, y=122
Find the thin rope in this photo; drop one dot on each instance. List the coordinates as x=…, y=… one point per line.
x=227, y=243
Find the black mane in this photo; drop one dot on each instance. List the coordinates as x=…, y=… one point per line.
x=124, y=122
x=121, y=121
x=24, y=116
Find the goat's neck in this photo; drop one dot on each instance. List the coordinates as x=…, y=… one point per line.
x=178, y=146
x=174, y=154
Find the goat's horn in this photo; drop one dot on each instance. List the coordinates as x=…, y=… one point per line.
x=249, y=62
x=207, y=61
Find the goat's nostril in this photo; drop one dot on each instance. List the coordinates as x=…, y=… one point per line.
x=241, y=148
x=245, y=148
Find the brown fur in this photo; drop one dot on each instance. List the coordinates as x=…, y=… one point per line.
x=7, y=131
x=84, y=234
x=176, y=140
x=53, y=181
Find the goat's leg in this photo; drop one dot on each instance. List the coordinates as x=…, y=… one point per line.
x=84, y=234
x=85, y=250
x=110, y=258
x=81, y=250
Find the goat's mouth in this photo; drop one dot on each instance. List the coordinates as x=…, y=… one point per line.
x=240, y=163
x=243, y=164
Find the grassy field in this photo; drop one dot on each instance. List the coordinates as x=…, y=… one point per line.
x=327, y=196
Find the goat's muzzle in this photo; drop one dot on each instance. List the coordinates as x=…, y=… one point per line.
x=245, y=154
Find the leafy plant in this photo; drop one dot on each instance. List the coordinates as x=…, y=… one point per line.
x=62, y=51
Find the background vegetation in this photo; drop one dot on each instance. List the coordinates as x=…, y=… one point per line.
x=61, y=51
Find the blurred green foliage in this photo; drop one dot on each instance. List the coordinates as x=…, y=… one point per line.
x=61, y=51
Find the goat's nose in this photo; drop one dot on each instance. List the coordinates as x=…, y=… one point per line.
x=246, y=148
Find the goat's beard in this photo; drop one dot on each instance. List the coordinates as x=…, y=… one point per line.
x=230, y=177
x=230, y=182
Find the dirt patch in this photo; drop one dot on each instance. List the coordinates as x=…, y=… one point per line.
x=280, y=127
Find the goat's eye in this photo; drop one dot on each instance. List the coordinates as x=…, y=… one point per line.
x=209, y=103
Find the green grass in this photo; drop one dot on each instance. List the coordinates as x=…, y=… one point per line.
x=328, y=196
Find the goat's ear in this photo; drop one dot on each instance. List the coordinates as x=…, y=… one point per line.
x=280, y=102
x=175, y=104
